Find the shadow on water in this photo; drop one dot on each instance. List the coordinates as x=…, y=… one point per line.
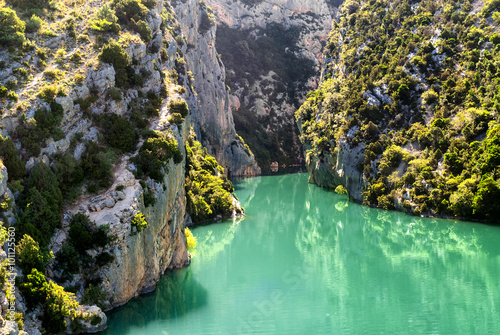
x=177, y=294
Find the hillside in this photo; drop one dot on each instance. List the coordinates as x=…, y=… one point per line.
x=406, y=115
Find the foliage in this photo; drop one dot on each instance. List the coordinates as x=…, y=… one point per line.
x=178, y=106
x=144, y=31
x=113, y=53
x=118, y=132
x=11, y=28
x=155, y=153
x=10, y=157
x=34, y=24
x=139, y=222
x=94, y=295
x=128, y=11
x=30, y=255
x=96, y=165
x=58, y=305
x=208, y=191
x=105, y=20
x=41, y=204
x=190, y=239
x=340, y=189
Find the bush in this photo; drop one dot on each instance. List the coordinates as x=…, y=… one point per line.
x=190, y=239
x=30, y=255
x=208, y=191
x=155, y=153
x=118, y=132
x=58, y=305
x=113, y=53
x=34, y=24
x=10, y=156
x=128, y=10
x=94, y=295
x=105, y=20
x=139, y=222
x=96, y=165
x=175, y=118
x=68, y=260
x=178, y=106
x=69, y=173
x=11, y=28
x=144, y=31
x=41, y=204
x=49, y=92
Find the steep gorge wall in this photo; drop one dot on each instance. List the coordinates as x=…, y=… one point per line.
x=272, y=51
x=211, y=112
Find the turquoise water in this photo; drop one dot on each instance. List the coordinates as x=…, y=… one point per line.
x=307, y=261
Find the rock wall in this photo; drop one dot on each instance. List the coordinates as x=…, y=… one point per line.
x=211, y=114
x=141, y=258
x=274, y=87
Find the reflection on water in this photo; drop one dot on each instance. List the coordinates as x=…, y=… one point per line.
x=432, y=276
x=176, y=295
x=307, y=261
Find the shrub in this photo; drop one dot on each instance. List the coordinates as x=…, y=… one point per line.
x=155, y=153
x=30, y=255
x=115, y=94
x=94, y=295
x=11, y=28
x=69, y=172
x=41, y=204
x=10, y=156
x=207, y=21
x=340, y=189
x=96, y=165
x=76, y=57
x=34, y=24
x=178, y=106
x=49, y=92
x=190, y=239
x=119, y=133
x=144, y=31
x=113, y=53
x=126, y=10
x=139, y=222
x=175, y=118
x=68, y=260
x=208, y=191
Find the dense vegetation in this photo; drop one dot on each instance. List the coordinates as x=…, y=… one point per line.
x=248, y=60
x=208, y=191
x=416, y=86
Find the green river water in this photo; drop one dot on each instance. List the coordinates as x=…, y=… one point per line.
x=307, y=261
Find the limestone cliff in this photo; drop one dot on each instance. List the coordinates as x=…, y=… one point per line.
x=211, y=113
x=272, y=50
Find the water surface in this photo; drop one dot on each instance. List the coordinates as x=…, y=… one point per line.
x=307, y=261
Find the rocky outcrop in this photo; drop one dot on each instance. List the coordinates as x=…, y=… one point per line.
x=342, y=169
x=141, y=258
x=211, y=114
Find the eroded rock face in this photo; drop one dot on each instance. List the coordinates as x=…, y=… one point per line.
x=271, y=90
x=211, y=114
x=330, y=171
